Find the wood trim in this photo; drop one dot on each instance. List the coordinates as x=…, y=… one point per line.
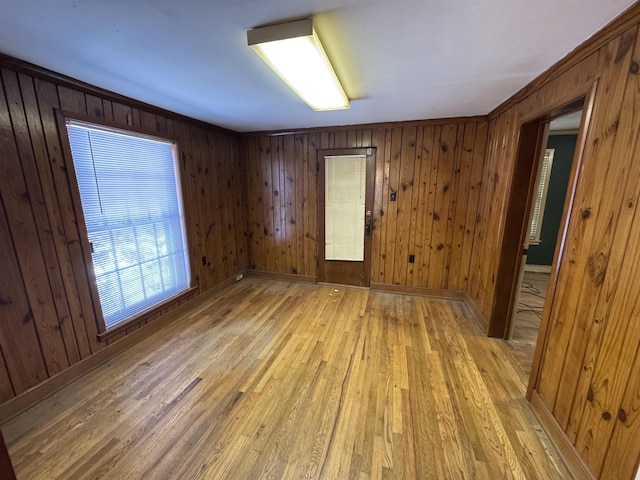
x=516, y=224
x=517, y=217
x=103, y=336
x=83, y=236
x=584, y=135
x=476, y=312
x=426, y=292
x=36, y=71
x=110, y=124
x=458, y=295
x=51, y=385
x=627, y=19
x=373, y=126
x=284, y=277
x=571, y=457
x=561, y=106
x=6, y=61
x=62, y=116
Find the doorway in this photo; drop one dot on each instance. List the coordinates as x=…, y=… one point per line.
x=529, y=152
x=345, y=220
x=552, y=180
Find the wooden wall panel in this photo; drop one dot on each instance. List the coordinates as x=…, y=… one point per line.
x=54, y=215
x=49, y=320
x=588, y=375
x=17, y=202
x=491, y=212
x=18, y=336
x=434, y=168
x=48, y=102
x=428, y=186
x=389, y=218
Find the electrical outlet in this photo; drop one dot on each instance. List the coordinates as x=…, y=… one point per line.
x=204, y=260
x=412, y=258
x=394, y=195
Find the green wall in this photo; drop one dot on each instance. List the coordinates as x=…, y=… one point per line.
x=564, y=146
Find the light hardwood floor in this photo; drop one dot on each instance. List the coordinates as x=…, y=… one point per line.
x=527, y=319
x=286, y=380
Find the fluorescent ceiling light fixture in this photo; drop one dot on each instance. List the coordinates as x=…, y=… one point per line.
x=294, y=52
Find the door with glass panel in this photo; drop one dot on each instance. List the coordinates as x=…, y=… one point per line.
x=345, y=215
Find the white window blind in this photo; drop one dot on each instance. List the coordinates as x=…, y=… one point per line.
x=129, y=189
x=540, y=198
x=345, y=186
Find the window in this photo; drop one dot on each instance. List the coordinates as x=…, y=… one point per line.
x=345, y=188
x=130, y=194
x=540, y=198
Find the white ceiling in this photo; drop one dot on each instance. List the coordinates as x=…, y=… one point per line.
x=398, y=60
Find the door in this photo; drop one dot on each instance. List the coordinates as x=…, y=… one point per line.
x=345, y=219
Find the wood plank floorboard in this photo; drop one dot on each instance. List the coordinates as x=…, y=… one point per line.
x=527, y=318
x=295, y=381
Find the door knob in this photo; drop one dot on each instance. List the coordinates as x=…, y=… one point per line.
x=369, y=225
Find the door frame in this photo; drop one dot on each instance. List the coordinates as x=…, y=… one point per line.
x=515, y=226
x=370, y=153
x=584, y=134
x=519, y=206
x=540, y=151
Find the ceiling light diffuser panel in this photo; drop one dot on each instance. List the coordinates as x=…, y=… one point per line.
x=293, y=50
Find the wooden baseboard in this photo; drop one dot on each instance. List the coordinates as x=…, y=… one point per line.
x=411, y=290
x=386, y=287
x=30, y=397
x=285, y=277
x=438, y=293
x=476, y=313
x=537, y=268
x=569, y=454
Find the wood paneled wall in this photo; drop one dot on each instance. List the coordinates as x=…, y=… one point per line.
x=253, y=201
x=47, y=319
x=435, y=167
x=588, y=378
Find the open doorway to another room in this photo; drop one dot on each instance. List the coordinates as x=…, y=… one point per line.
x=554, y=172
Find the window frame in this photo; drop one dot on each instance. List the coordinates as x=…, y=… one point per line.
x=62, y=117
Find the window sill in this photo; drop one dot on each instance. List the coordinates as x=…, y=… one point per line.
x=121, y=327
